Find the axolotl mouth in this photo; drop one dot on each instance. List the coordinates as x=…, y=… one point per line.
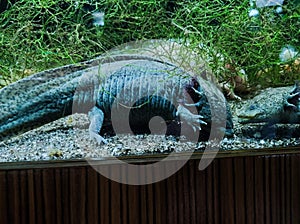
x=252, y=114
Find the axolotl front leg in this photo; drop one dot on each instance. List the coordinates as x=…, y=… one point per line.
x=96, y=117
x=194, y=120
x=292, y=102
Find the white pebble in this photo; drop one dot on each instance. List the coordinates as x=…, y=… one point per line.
x=279, y=10
x=287, y=53
x=98, y=18
x=253, y=13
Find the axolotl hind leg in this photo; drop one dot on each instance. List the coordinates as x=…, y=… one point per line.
x=96, y=117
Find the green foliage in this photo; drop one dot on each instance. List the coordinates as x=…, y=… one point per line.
x=39, y=34
x=253, y=44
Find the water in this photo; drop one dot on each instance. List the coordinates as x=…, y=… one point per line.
x=250, y=50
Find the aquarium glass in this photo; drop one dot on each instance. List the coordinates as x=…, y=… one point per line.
x=101, y=79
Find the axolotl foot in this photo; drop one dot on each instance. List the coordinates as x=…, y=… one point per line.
x=194, y=120
x=99, y=139
x=96, y=117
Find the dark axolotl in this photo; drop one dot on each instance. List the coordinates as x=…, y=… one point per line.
x=141, y=86
x=273, y=106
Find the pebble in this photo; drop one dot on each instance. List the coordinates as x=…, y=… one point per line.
x=253, y=13
x=279, y=10
x=67, y=141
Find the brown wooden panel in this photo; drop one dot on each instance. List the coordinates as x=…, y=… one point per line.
x=295, y=189
x=209, y=178
x=226, y=191
x=124, y=195
x=65, y=192
x=23, y=196
x=262, y=189
x=31, y=196
x=133, y=205
x=4, y=209
x=13, y=200
x=92, y=197
x=150, y=202
x=216, y=189
x=192, y=192
x=282, y=188
x=38, y=196
x=143, y=204
x=275, y=190
x=267, y=190
x=239, y=190
x=115, y=195
x=104, y=188
x=183, y=195
x=78, y=194
x=203, y=197
x=180, y=196
x=160, y=199
x=48, y=188
x=58, y=196
x=172, y=199
x=259, y=190
x=249, y=190
x=288, y=189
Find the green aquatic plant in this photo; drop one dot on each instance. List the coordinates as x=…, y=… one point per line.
x=38, y=34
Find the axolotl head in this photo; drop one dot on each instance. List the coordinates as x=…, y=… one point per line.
x=265, y=107
x=252, y=113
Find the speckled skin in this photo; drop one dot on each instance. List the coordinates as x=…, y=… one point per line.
x=93, y=85
x=273, y=105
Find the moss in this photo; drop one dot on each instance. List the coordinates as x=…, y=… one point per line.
x=38, y=34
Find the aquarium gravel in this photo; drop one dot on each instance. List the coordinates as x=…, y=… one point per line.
x=68, y=138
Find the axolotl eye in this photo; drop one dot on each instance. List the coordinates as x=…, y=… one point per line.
x=252, y=111
x=252, y=107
